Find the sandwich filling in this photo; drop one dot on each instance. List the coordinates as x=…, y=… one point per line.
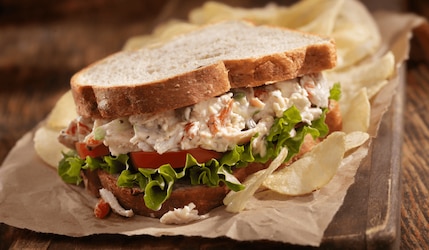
x=218, y=124
x=245, y=124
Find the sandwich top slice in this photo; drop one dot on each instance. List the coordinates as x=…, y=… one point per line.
x=201, y=64
x=188, y=121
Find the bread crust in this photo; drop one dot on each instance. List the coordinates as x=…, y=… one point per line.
x=167, y=94
x=282, y=66
x=205, y=198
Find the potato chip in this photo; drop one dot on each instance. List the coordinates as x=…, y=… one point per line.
x=236, y=201
x=356, y=112
x=312, y=16
x=48, y=147
x=355, y=139
x=46, y=143
x=371, y=75
x=160, y=35
x=63, y=112
x=312, y=171
x=212, y=12
x=355, y=33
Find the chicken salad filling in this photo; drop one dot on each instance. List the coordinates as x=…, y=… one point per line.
x=218, y=124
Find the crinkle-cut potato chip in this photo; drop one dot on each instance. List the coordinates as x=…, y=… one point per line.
x=63, y=112
x=236, y=201
x=311, y=172
x=48, y=147
x=160, y=35
x=355, y=33
x=356, y=113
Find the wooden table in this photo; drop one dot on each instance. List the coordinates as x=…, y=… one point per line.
x=42, y=46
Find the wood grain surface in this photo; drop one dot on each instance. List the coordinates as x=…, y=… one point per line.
x=415, y=166
x=41, y=47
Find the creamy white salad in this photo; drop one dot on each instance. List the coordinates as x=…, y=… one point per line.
x=218, y=124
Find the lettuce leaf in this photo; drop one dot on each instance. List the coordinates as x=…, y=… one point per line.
x=335, y=92
x=69, y=168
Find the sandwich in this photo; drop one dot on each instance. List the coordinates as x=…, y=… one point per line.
x=187, y=121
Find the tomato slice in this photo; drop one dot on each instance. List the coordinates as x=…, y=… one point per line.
x=84, y=150
x=175, y=159
x=142, y=159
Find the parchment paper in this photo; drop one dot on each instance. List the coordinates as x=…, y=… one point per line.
x=32, y=196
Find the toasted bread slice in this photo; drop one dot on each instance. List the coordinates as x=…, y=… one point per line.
x=196, y=66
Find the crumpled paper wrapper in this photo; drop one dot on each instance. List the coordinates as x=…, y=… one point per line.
x=32, y=196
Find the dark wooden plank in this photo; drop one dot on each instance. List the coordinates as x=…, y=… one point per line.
x=369, y=217
x=383, y=221
x=415, y=171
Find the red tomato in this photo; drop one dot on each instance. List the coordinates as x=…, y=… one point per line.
x=175, y=159
x=101, y=209
x=84, y=150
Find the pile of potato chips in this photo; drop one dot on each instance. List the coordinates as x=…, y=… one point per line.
x=360, y=73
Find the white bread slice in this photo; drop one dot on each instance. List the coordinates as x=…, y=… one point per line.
x=195, y=66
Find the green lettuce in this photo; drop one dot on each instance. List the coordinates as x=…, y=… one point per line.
x=158, y=183
x=335, y=92
x=71, y=164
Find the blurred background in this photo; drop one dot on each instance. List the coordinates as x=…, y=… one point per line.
x=66, y=35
